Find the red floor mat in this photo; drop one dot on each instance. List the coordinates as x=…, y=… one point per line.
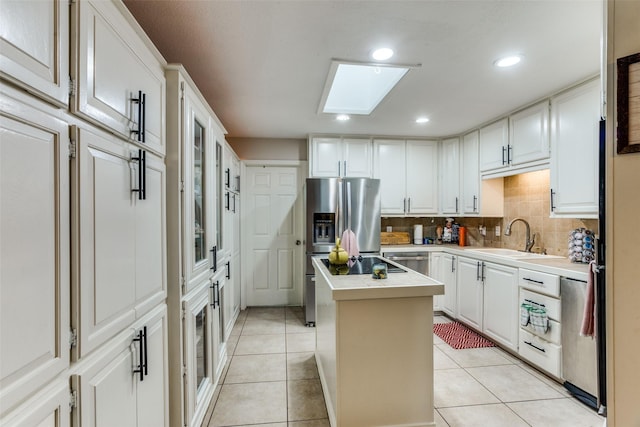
x=459, y=336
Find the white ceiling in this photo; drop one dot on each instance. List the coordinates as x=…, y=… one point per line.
x=262, y=64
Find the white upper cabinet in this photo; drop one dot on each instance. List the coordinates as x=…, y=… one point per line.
x=34, y=248
x=470, y=174
x=120, y=235
x=516, y=144
x=422, y=177
x=575, y=117
x=36, y=55
x=340, y=157
x=494, y=141
x=118, y=73
x=529, y=135
x=450, y=176
x=408, y=173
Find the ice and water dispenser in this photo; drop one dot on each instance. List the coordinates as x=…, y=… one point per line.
x=324, y=229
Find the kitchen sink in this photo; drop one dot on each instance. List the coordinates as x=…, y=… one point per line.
x=512, y=253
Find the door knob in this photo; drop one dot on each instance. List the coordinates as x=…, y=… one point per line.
x=298, y=242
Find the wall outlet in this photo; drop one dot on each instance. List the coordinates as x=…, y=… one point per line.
x=483, y=230
x=497, y=230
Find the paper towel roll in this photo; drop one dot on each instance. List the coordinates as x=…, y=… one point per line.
x=417, y=234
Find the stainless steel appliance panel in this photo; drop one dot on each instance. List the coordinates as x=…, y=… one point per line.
x=579, y=354
x=335, y=204
x=416, y=261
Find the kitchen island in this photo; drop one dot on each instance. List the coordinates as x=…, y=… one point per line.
x=374, y=347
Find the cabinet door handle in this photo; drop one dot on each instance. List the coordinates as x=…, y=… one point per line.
x=404, y=205
x=139, y=132
x=345, y=167
x=214, y=262
x=456, y=205
x=509, y=150
x=227, y=177
x=475, y=201
x=141, y=354
x=504, y=150
x=215, y=287
x=482, y=276
x=477, y=271
x=453, y=260
x=538, y=282
x=552, y=205
x=339, y=168
x=234, y=203
x=142, y=174
x=226, y=200
x=228, y=270
x=408, y=204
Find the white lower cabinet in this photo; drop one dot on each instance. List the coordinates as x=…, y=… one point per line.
x=34, y=246
x=488, y=299
x=443, y=267
x=470, y=292
x=500, y=304
x=120, y=235
x=125, y=385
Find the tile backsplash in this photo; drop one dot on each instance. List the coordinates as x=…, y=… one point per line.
x=525, y=196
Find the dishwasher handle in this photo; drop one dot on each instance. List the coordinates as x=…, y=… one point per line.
x=407, y=258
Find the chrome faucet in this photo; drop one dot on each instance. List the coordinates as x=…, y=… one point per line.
x=529, y=241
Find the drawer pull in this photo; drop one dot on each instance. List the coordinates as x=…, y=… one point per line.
x=535, y=346
x=539, y=282
x=533, y=302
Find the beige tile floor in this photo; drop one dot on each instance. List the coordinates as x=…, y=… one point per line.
x=271, y=380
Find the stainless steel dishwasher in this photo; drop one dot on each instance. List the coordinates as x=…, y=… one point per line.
x=417, y=261
x=579, y=354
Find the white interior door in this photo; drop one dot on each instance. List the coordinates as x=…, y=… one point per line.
x=273, y=221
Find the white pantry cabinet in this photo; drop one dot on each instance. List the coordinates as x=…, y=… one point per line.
x=575, y=117
x=118, y=73
x=449, y=167
x=200, y=332
x=48, y=407
x=408, y=173
x=125, y=384
x=470, y=174
x=196, y=258
x=36, y=55
x=339, y=157
x=119, y=201
x=34, y=246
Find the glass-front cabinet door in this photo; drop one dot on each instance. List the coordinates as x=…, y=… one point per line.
x=198, y=195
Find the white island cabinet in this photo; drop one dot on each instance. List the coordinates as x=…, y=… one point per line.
x=374, y=347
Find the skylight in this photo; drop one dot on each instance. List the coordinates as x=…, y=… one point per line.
x=354, y=88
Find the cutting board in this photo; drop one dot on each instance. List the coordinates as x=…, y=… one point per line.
x=394, y=238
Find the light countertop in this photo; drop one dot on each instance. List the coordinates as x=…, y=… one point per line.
x=552, y=265
x=363, y=286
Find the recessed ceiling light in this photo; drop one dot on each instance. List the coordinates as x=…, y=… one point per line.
x=508, y=61
x=422, y=120
x=382, y=54
x=343, y=117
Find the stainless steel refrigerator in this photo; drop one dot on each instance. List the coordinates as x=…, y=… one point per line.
x=333, y=205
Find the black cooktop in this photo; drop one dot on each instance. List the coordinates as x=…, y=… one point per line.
x=360, y=265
